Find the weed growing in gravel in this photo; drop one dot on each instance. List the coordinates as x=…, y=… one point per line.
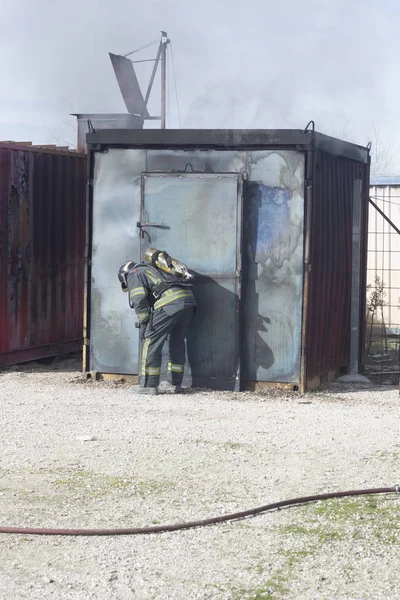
x=393, y=456
x=96, y=485
x=225, y=445
x=317, y=533
x=275, y=587
x=201, y=441
x=92, y=484
x=346, y=509
x=61, y=484
x=233, y=445
x=278, y=583
x=369, y=519
x=144, y=488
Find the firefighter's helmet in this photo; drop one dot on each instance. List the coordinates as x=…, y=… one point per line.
x=124, y=272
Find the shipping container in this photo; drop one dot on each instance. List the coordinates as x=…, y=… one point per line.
x=42, y=251
x=272, y=222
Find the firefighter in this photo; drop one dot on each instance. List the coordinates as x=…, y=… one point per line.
x=164, y=305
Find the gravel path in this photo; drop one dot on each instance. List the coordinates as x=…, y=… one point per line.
x=79, y=454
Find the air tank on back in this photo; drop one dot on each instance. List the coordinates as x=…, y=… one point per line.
x=177, y=267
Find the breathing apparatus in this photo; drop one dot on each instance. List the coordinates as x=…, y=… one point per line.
x=159, y=259
x=163, y=261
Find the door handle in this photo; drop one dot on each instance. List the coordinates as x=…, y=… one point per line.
x=158, y=225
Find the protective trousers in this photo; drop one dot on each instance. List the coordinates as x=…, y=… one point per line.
x=160, y=327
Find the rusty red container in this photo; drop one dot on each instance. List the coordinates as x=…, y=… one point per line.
x=42, y=251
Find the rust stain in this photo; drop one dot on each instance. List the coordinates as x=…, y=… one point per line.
x=42, y=251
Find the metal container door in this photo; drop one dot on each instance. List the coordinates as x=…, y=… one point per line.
x=197, y=218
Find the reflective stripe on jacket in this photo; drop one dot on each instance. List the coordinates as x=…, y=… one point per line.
x=144, y=280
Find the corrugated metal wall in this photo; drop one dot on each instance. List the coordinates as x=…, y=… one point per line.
x=42, y=252
x=329, y=301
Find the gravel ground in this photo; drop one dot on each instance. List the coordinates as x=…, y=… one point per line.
x=80, y=454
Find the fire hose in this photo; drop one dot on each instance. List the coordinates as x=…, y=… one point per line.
x=200, y=523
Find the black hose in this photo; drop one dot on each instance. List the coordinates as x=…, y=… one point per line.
x=201, y=523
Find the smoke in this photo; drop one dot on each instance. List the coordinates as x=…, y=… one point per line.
x=255, y=64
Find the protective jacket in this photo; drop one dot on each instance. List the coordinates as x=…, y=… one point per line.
x=151, y=289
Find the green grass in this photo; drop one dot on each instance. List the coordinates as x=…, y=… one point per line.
x=84, y=484
x=233, y=445
x=371, y=519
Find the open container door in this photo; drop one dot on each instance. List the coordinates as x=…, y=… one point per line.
x=197, y=218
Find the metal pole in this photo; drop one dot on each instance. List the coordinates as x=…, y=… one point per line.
x=153, y=74
x=164, y=41
x=355, y=280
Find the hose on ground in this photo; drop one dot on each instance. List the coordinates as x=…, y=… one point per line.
x=201, y=523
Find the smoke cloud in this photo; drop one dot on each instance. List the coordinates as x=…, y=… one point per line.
x=258, y=63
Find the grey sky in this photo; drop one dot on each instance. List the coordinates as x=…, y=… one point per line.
x=238, y=64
